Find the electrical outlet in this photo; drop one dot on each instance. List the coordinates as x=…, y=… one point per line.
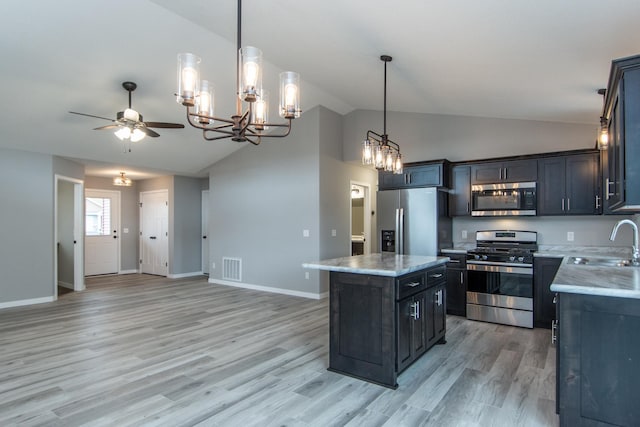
x=213, y=265
x=464, y=234
x=334, y=233
x=125, y=230
x=570, y=236
x=306, y=275
x=305, y=233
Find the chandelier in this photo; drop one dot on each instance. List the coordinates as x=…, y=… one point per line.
x=379, y=150
x=122, y=180
x=250, y=125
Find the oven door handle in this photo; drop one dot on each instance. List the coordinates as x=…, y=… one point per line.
x=526, y=269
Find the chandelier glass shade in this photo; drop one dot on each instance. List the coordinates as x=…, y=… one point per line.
x=247, y=124
x=377, y=149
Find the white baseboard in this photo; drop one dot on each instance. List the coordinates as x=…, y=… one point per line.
x=25, y=302
x=128, y=271
x=182, y=275
x=65, y=284
x=309, y=295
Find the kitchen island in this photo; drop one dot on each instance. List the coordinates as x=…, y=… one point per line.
x=598, y=344
x=386, y=311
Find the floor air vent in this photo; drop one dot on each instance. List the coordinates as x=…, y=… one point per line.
x=232, y=269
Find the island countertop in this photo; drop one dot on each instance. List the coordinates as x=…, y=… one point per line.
x=622, y=282
x=379, y=264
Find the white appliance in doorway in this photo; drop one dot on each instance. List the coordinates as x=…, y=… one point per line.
x=154, y=232
x=102, y=229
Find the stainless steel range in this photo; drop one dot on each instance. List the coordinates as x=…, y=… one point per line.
x=500, y=277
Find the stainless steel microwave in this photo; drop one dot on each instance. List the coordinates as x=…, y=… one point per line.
x=503, y=199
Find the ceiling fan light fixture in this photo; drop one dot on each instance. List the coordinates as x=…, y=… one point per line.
x=137, y=135
x=123, y=133
x=122, y=180
x=131, y=115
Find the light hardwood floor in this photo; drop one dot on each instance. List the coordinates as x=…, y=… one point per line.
x=146, y=350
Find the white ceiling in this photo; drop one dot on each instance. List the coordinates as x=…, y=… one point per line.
x=537, y=60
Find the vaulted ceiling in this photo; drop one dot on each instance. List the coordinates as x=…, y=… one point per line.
x=541, y=60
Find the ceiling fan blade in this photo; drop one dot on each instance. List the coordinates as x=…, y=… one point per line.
x=107, y=127
x=164, y=125
x=149, y=132
x=91, y=115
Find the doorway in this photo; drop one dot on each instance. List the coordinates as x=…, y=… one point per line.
x=102, y=229
x=68, y=238
x=154, y=232
x=205, y=233
x=360, y=218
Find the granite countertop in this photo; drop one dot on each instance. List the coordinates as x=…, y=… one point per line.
x=622, y=282
x=379, y=264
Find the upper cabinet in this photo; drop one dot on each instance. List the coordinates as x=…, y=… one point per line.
x=460, y=193
x=432, y=174
x=506, y=171
x=569, y=185
x=621, y=169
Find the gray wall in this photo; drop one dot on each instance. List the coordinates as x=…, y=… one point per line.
x=26, y=252
x=129, y=219
x=187, y=229
x=261, y=199
x=65, y=243
x=458, y=138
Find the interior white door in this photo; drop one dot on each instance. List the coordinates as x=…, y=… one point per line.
x=205, y=227
x=154, y=232
x=102, y=225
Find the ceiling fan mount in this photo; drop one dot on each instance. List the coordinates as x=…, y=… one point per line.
x=131, y=120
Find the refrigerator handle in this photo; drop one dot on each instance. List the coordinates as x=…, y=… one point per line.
x=400, y=231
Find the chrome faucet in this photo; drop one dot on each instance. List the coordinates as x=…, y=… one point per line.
x=635, y=255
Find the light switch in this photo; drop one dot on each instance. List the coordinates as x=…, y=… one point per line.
x=125, y=230
x=305, y=233
x=570, y=236
x=334, y=233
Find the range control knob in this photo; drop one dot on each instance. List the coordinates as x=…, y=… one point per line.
x=476, y=257
x=512, y=258
x=484, y=257
x=521, y=259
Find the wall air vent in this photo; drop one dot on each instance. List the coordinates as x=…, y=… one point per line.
x=232, y=269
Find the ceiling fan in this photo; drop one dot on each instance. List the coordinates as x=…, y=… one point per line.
x=129, y=122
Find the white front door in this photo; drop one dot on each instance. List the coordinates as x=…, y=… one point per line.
x=102, y=232
x=205, y=227
x=154, y=232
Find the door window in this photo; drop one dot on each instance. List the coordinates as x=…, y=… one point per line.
x=98, y=216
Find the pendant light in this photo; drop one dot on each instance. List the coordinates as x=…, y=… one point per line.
x=603, y=130
x=249, y=125
x=379, y=150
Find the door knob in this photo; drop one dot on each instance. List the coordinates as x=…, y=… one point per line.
x=115, y=237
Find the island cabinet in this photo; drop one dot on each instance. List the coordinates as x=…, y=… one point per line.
x=379, y=325
x=505, y=171
x=598, y=353
x=569, y=185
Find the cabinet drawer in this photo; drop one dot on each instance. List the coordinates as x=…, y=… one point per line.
x=409, y=285
x=436, y=276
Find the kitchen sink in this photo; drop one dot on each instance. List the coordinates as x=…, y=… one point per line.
x=601, y=262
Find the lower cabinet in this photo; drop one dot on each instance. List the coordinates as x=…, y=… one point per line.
x=544, y=310
x=598, y=353
x=457, y=284
x=379, y=325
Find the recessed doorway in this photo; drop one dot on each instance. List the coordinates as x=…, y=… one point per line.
x=360, y=218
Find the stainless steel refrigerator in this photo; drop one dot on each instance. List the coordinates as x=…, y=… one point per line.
x=413, y=221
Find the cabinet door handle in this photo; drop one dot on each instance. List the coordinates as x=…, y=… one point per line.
x=554, y=331
x=413, y=284
x=568, y=204
x=414, y=310
x=436, y=275
x=505, y=174
x=454, y=261
x=467, y=207
x=597, y=202
x=608, y=189
x=563, y=204
x=461, y=278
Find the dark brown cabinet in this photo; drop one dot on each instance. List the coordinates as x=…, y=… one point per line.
x=433, y=174
x=544, y=309
x=379, y=325
x=569, y=185
x=460, y=193
x=598, y=352
x=505, y=171
x=622, y=110
x=457, y=284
